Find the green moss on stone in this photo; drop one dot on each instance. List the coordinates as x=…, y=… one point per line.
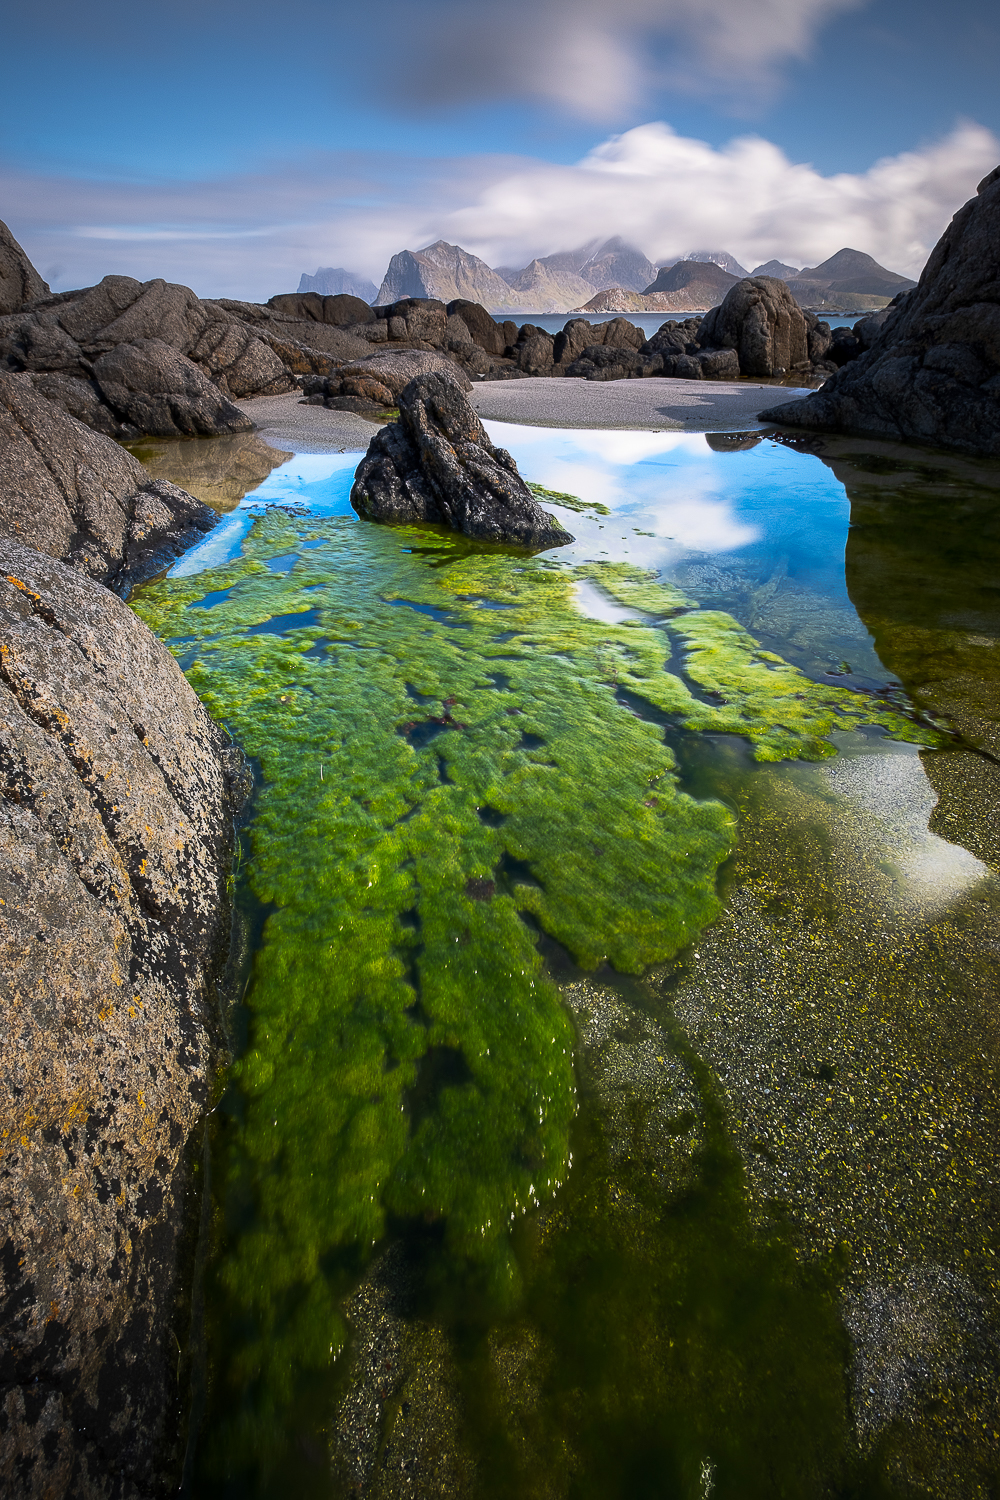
x=442, y=748
x=569, y=502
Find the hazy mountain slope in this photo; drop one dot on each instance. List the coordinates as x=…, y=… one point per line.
x=699, y=279
x=334, y=281
x=445, y=271
x=719, y=258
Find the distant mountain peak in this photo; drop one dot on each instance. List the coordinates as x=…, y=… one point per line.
x=719, y=258
x=776, y=268
x=703, y=275
x=334, y=281
x=445, y=272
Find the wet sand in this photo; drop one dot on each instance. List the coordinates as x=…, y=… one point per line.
x=661, y=405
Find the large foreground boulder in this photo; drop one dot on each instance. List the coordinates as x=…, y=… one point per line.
x=78, y=496
x=932, y=370
x=437, y=464
x=159, y=392
x=115, y=843
x=762, y=322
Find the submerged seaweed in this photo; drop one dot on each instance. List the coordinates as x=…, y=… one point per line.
x=430, y=773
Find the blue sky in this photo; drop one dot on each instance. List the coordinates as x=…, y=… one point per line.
x=232, y=146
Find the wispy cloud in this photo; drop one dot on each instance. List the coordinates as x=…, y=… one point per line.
x=593, y=59
x=253, y=235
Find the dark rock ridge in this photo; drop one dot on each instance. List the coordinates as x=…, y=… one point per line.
x=116, y=795
x=931, y=371
x=761, y=321
x=437, y=464
x=74, y=494
x=20, y=283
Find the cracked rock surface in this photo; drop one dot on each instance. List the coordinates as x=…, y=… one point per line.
x=115, y=839
x=78, y=496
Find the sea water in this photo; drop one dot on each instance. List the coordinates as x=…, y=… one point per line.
x=613, y=1103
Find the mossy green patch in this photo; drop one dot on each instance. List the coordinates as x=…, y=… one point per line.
x=443, y=748
x=569, y=502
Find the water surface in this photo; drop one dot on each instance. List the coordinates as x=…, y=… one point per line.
x=613, y=996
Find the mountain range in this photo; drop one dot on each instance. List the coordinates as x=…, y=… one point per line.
x=609, y=276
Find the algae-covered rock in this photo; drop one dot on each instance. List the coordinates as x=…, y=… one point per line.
x=437, y=464
x=115, y=829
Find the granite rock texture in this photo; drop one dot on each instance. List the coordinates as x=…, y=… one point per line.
x=931, y=371
x=437, y=464
x=19, y=281
x=76, y=495
x=761, y=320
x=116, y=792
x=161, y=393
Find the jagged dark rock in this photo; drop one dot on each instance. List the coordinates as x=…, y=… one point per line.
x=20, y=283
x=78, y=496
x=932, y=370
x=437, y=464
x=156, y=390
x=116, y=795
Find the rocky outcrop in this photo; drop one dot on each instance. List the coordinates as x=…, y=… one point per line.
x=932, y=371
x=763, y=323
x=115, y=826
x=374, y=385
x=20, y=283
x=155, y=390
x=437, y=464
x=79, y=497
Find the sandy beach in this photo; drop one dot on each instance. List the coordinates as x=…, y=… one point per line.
x=631, y=405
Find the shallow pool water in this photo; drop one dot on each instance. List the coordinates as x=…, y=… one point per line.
x=613, y=1109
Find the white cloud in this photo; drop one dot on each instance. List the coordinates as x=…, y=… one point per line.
x=253, y=235
x=668, y=193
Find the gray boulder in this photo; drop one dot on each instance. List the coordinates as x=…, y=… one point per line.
x=158, y=391
x=932, y=370
x=78, y=496
x=763, y=323
x=115, y=842
x=437, y=464
x=20, y=283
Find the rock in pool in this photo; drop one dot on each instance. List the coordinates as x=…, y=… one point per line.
x=437, y=464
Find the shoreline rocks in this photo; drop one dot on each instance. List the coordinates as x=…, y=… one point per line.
x=437, y=464
x=73, y=493
x=930, y=370
x=116, y=826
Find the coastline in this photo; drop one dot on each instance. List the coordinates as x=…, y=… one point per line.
x=655, y=404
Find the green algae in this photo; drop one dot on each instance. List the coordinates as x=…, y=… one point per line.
x=569, y=502
x=442, y=749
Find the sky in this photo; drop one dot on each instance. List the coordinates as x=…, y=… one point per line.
x=233, y=144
